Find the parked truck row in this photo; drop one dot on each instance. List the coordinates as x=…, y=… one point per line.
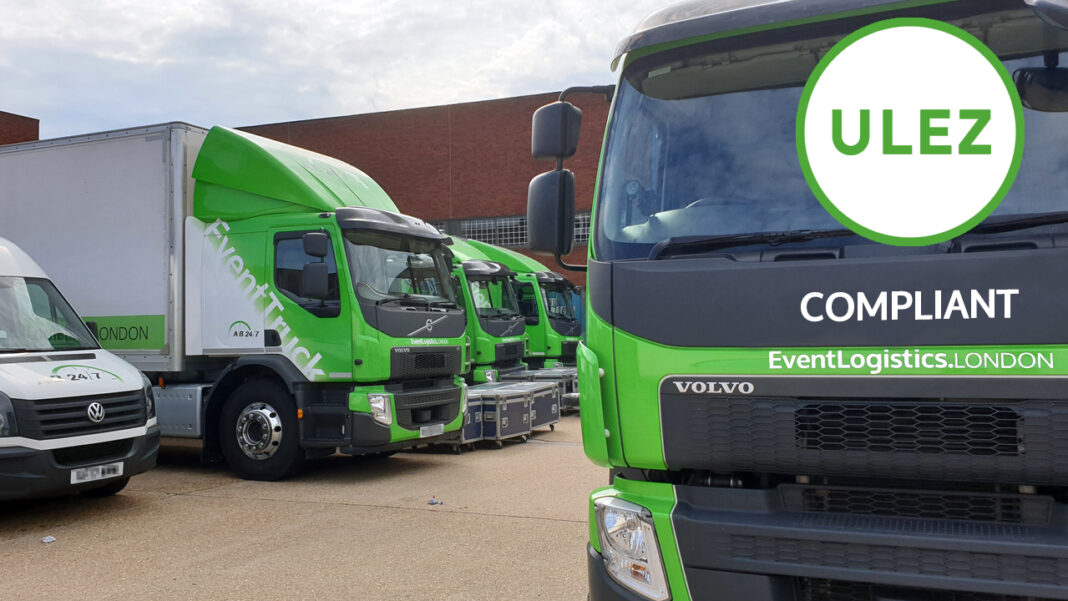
x=278, y=304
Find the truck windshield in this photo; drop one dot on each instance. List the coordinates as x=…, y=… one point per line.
x=494, y=298
x=702, y=145
x=558, y=302
x=394, y=268
x=35, y=317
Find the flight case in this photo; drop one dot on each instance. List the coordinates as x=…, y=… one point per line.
x=505, y=410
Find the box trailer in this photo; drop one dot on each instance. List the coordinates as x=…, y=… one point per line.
x=269, y=292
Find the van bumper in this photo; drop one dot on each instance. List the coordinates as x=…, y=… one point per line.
x=27, y=473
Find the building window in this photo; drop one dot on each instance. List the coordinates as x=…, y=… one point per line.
x=506, y=231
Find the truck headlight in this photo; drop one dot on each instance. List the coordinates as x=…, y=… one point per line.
x=491, y=375
x=8, y=427
x=381, y=408
x=629, y=546
x=150, y=397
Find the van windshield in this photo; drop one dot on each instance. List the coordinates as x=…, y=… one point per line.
x=34, y=317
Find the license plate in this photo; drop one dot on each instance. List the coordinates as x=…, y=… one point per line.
x=96, y=472
x=434, y=430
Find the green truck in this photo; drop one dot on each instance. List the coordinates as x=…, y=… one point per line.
x=546, y=302
x=495, y=327
x=278, y=301
x=763, y=443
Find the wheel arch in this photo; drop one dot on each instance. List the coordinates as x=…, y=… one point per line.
x=257, y=367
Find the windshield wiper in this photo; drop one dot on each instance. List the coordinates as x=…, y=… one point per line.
x=510, y=328
x=681, y=245
x=1019, y=223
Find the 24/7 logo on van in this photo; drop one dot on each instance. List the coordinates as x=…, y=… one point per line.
x=84, y=373
x=241, y=329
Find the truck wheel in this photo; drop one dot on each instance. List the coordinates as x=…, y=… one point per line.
x=106, y=490
x=258, y=432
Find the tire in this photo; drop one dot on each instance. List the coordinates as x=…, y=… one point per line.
x=106, y=490
x=258, y=432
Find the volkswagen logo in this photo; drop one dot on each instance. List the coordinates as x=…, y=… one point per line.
x=95, y=412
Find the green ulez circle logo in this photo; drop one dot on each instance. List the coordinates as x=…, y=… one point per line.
x=910, y=132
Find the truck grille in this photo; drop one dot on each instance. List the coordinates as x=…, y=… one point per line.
x=812, y=589
x=421, y=362
x=93, y=453
x=568, y=349
x=967, y=440
x=871, y=557
x=908, y=427
x=975, y=507
x=508, y=351
x=421, y=408
x=57, y=418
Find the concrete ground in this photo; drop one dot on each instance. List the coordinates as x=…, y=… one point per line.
x=512, y=526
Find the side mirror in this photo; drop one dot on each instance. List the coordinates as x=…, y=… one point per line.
x=551, y=212
x=532, y=321
x=1043, y=89
x=314, y=281
x=94, y=329
x=554, y=132
x=316, y=244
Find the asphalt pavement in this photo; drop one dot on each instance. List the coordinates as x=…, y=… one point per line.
x=512, y=524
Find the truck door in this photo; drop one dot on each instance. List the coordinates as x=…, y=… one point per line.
x=315, y=333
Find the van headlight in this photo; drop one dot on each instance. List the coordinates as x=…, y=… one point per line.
x=629, y=547
x=381, y=408
x=150, y=397
x=8, y=427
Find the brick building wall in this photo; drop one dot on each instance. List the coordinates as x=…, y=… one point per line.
x=16, y=128
x=454, y=162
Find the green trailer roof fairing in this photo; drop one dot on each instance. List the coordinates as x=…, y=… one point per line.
x=240, y=175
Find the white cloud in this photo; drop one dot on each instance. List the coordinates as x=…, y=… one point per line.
x=82, y=67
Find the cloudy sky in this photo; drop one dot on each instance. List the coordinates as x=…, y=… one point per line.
x=81, y=67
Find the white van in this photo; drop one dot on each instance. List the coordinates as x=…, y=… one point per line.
x=73, y=417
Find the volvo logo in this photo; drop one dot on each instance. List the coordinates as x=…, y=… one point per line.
x=699, y=387
x=429, y=327
x=95, y=412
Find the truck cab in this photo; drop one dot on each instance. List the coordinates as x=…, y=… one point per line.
x=73, y=417
x=764, y=443
x=496, y=327
x=281, y=305
x=546, y=300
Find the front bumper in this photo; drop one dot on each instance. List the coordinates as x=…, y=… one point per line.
x=27, y=473
x=763, y=532
x=602, y=587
